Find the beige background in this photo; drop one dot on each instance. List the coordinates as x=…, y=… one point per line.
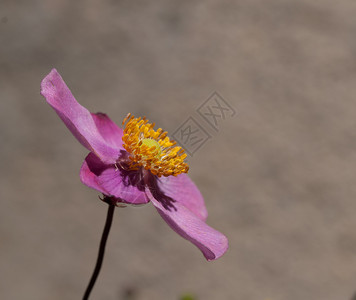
x=278, y=178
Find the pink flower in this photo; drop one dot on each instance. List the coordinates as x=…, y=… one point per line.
x=136, y=165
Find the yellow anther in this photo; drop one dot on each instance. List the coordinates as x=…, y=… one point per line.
x=152, y=150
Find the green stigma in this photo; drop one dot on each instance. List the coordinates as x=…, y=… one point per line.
x=152, y=143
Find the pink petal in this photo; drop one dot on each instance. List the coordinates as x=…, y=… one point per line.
x=110, y=132
x=77, y=118
x=183, y=221
x=183, y=190
x=127, y=186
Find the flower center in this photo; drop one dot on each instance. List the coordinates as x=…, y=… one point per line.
x=152, y=149
x=152, y=144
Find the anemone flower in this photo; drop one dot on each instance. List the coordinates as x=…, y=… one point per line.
x=136, y=165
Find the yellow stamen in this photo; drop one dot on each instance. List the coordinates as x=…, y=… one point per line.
x=152, y=150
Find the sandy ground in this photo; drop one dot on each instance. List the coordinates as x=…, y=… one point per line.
x=278, y=177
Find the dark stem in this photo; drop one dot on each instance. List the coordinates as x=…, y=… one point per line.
x=100, y=258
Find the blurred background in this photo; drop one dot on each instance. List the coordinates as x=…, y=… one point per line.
x=278, y=177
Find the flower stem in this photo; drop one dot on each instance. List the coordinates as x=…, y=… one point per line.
x=100, y=258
